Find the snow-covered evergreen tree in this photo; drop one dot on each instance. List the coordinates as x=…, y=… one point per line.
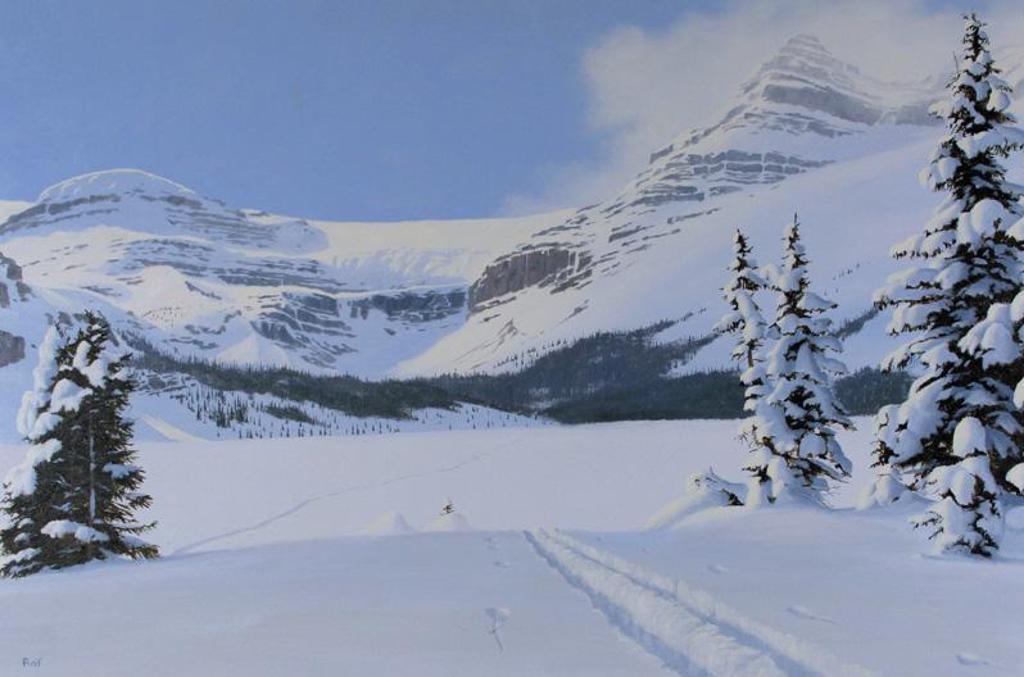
x=744, y=319
x=32, y=496
x=793, y=431
x=967, y=514
x=106, y=494
x=74, y=498
x=887, y=487
x=969, y=261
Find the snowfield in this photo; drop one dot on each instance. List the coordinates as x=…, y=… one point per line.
x=327, y=556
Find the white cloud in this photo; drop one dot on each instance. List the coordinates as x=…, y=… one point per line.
x=645, y=87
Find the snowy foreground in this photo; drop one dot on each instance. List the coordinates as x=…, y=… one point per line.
x=300, y=557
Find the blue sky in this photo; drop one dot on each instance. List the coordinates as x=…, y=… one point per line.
x=348, y=109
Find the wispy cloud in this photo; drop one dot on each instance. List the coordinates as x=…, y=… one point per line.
x=645, y=87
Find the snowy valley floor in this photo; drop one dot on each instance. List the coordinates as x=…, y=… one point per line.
x=288, y=557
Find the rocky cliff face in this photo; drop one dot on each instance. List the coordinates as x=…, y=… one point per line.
x=411, y=306
x=12, y=287
x=12, y=348
x=539, y=266
x=12, y=291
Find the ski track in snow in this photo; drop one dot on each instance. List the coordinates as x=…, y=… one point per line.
x=476, y=458
x=686, y=628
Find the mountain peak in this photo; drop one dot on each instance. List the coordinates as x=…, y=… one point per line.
x=805, y=42
x=805, y=75
x=112, y=181
x=138, y=201
x=804, y=60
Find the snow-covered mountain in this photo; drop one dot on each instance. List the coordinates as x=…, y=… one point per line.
x=806, y=133
x=197, y=278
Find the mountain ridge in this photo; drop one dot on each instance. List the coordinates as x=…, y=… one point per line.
x=803, y=111
x=198, y=279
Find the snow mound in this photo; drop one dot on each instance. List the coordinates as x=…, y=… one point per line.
x=450, y=522
x=704, y=491
x=391, y=523
x=255, y=349
x=1015, y=518
x=164, y=430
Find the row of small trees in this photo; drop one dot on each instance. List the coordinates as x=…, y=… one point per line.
x=74, y=497
x=788, y=378
x=958, y=439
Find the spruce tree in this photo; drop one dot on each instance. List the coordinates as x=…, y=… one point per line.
x=33, y=491
x=969, y=261
x=104, y=489
x=73, y=500
x=744, y=318
x=793, y=431
x=887, y=487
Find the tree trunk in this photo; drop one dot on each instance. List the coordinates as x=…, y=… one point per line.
x=90, y=548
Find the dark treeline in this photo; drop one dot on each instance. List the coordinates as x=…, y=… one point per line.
x=604, y=362
x=351, y=395
x=605, y=377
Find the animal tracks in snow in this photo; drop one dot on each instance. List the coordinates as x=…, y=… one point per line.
x=965, y=658
x=301, y=505
x=497, y=617
x=804, y=612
